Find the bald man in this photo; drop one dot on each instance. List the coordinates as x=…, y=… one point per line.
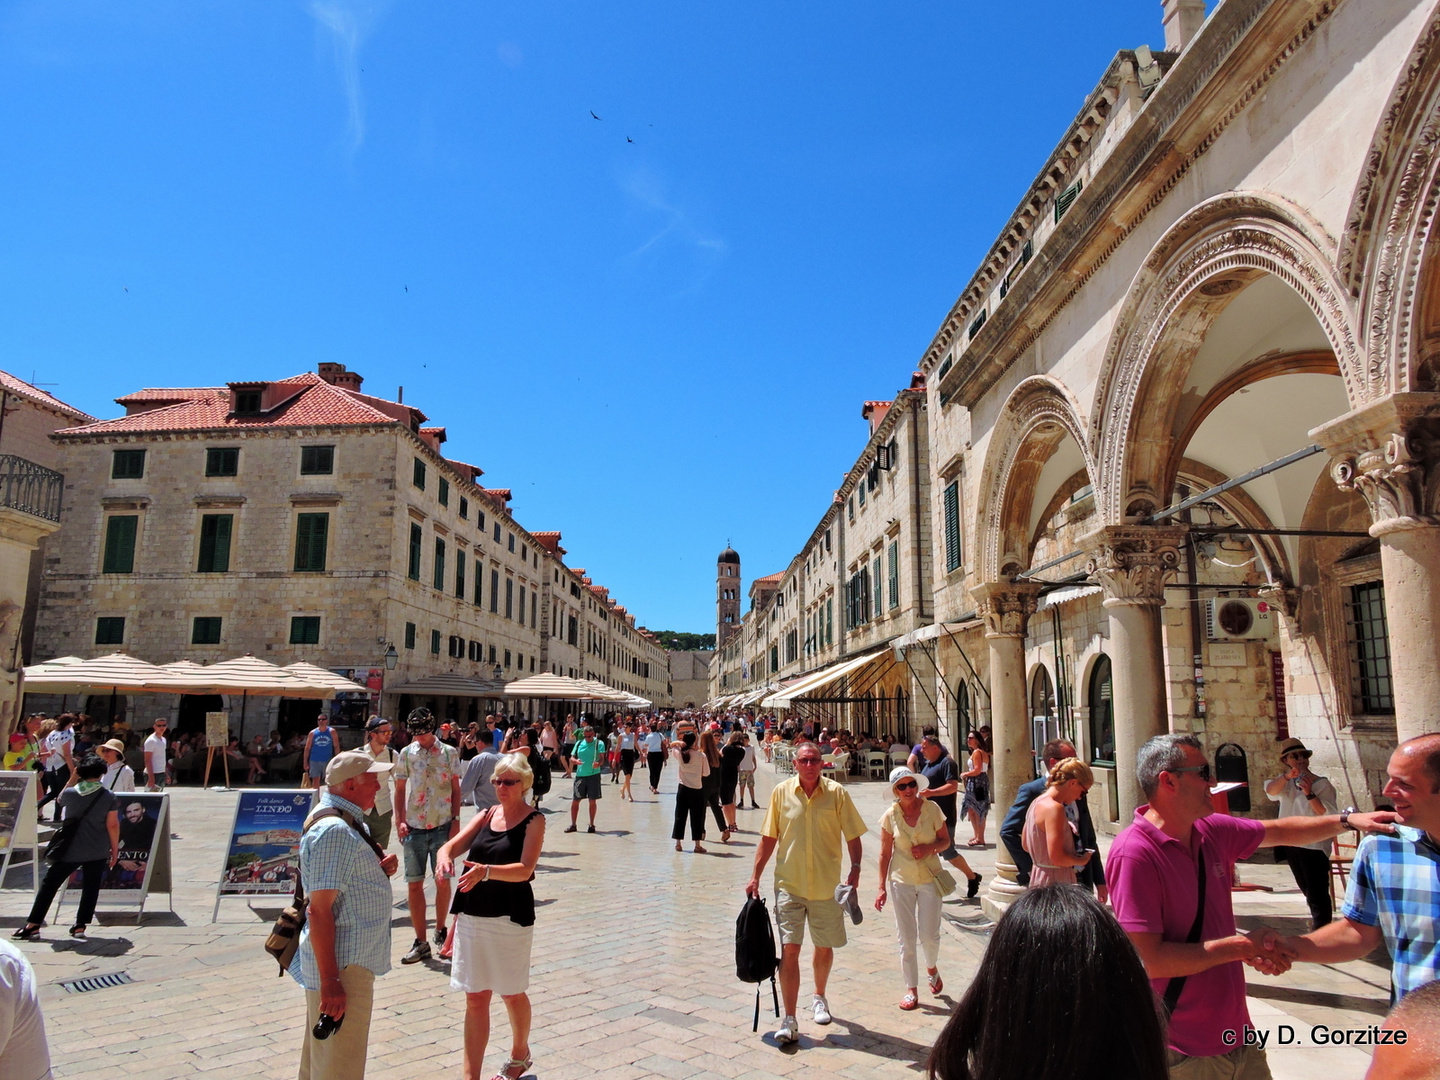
x=1394, y=889
x=1412, y=1049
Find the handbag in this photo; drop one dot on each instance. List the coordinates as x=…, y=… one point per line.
x=945, y=882
x=284, y=937
x=60, y=842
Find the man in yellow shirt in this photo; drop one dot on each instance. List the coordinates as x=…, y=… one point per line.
x=809, y=820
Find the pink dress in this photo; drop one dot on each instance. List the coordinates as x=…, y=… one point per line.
x=1032, y=837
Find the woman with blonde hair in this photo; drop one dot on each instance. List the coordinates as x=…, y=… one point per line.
x=912, y=835
x=494, y=910
x=1049, y=836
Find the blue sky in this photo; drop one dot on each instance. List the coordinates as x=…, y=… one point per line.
x=659, y=344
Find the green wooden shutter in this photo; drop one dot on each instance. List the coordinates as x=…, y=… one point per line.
x=311, y=533
x=952, y=526
x=417, y=539
x=215, y=544
x=120, y=533
x=894, y=576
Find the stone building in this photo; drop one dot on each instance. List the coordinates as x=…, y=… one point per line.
x=304, y=519
x=689, y=677
x=30, y=494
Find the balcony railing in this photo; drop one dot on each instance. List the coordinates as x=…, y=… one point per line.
x=30, y=488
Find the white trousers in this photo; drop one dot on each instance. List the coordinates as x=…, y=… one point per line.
x=917, y=916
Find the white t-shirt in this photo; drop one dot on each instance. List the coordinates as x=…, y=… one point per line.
x=384, y=803
x=54, y=755
x=747, y=763
x=118, y=777
x=693, y=772
x=155, y=753
x=22, y=1029
x=1294, y=804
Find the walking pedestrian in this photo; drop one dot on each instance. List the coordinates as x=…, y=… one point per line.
x=731, y=755
x=588, y=758
x=629, y=744
x=1301, y=793
x=655, y=747
x=118, y=776
x=495, y=915
x=710, y=747
x=427, y=796
x=319, y=749
x=59, y=762
x=938, y=767
x=380, y=818
x=89, y=841
x=692, y=767
x=475, y=784
x=1092, y=874
x=345, y=944
x=912, y=835
x=1048, y=836
x=809, y=822
x=977, y=788
x=745, y=778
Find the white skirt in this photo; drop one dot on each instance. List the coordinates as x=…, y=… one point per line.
x=491, y=954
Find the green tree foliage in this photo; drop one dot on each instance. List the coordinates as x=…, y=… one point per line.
x=680, y=641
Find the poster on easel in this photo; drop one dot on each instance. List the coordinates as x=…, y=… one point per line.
x=144, y=862
x=263, y=855
x=217, y=740
x=17, y=824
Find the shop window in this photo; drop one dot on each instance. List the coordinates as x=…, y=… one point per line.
x=1102, y=714
x=1370, y=650
x=305, y=630
x=224, y=462
x=317, y=460
x=127, y=465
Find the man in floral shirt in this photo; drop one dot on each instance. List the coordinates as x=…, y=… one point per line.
x=427, y=816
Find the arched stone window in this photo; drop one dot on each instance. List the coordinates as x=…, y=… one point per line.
x=1102, y=714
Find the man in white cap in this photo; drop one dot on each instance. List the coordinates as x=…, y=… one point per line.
x=346, y=940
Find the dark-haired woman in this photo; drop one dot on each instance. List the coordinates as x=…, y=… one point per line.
x=93, y=846
x=693, y=767
x=710, y=747
x=1059, y=979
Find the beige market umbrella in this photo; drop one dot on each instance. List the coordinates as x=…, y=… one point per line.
x=449, y=684
x=116, y=672
x=312, y=673
x=558, y=687
x=604, y=693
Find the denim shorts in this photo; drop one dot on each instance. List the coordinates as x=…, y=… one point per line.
x=423, y=845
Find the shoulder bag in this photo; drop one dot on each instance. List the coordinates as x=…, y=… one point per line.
x=65, y=835
x=1176, y=985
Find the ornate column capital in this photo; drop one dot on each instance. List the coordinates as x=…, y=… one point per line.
x=1132, y=563
x=1388, y=453
x=1006, y=607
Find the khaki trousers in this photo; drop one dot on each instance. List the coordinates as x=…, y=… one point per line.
x=342, y=1055
x=1242, y=1063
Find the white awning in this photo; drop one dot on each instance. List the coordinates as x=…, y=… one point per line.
x=819, y=679
x=1062, y=596
x=934, y=630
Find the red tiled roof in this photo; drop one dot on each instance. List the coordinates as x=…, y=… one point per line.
x=550, y=541
x=168, y=395
x=768, y=579
x=317, y=403
x=500, y=494
x=22, y=389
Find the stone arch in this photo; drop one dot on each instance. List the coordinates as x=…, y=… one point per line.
x=1038, y=415
x=1188, y=278
x=1386, y=258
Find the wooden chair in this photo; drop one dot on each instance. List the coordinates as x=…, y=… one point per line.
x=877, y=765
x=1342, y=855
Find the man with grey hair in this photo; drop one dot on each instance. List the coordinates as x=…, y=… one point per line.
x=1170, y=872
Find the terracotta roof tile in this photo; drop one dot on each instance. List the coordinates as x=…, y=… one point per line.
x=768, y=579
x=22, y=389
x=168, y=395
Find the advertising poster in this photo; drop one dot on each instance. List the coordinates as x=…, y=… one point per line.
x=13, y=786
x=142, y=827
x=263, y=856
x=217, y=729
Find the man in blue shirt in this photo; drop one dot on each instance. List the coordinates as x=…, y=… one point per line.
x=1092, y=874
x=346, y=940
x=1394, y=893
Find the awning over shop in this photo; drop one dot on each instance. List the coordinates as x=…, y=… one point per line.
x=934, y=630
x=1064, y=596
x=820, y=679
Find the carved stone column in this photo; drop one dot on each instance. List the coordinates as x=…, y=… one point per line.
x=1006, y=608
x=1132, y=563
x=20, y=534
x=1388, y=453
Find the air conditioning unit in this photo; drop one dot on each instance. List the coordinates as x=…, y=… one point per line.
x=1232, y=618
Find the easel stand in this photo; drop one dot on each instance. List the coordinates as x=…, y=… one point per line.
x=210, y=753
x=23, y=835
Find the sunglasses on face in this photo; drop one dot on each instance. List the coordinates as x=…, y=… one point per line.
x=504, y=783
x=1202, y=770
x=808, y=761
x=906, y=785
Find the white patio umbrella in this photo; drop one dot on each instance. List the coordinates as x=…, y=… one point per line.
x=312, y=673
x=546, y=685
x=117, y=672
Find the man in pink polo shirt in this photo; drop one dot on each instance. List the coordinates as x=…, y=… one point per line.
x=1154, y=872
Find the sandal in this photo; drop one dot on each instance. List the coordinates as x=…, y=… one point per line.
x=28, y=932
x=936, y=983
x=513, y=1069
x=909, y=1001
x=700, y=850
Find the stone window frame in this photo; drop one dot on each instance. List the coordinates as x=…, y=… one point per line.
x=1338, y=637
x=311, y=451
x=108, y=622
x=220, y=458
x=215, y=621
x=301, y=619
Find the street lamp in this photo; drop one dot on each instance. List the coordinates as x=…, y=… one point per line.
x=391, y=657
x=498, y=673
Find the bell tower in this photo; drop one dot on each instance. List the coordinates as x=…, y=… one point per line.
x=727, y=596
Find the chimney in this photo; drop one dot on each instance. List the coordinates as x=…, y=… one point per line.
x=1182, y=19
x=874, y=411
x=336, y=375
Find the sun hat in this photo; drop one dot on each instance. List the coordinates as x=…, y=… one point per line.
x=1290, y=746
x=113, y=744
x=900, y=772
x=350, y=764
x=849, y=901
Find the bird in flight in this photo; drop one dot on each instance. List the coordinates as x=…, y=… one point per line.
x=125, y=287
x=629, y=139
x=593, y=116
x=407, y=288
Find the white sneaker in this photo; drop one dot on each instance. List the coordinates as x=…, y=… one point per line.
x=822, y=1010
x=789, y=1031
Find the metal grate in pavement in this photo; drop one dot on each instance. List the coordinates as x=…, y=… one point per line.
x=96, y=982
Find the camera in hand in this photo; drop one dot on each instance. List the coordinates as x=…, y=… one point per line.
x=326, y=1025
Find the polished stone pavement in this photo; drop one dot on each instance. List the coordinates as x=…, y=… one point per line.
x=633, y=972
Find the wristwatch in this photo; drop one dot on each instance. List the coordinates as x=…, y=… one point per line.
x=1345, y=817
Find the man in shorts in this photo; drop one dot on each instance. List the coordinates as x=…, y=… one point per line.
x=809, y=821
x=588, y=757
x=427, y=805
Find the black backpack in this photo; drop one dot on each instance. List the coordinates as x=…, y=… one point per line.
x=540, y=770
x=755, y=959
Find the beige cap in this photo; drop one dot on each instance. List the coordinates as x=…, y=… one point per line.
x=113, y=744
x=351, y=764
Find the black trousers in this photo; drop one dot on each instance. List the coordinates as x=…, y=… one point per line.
x=54, y=781
x=93, y=873
x=656, y=760
x=1312, y=873
x=689, y=802
x=712, y=798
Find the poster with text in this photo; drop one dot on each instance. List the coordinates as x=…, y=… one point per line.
x=142, y=827
x=263, y=857
x=12, y=796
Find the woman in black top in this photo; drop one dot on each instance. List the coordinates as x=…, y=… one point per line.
x=730, y=758
x=494, y=910
x=710, y=747
x=93, y=845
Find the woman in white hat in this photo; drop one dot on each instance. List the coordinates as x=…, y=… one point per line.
x=912, y=835
x=118, y=776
